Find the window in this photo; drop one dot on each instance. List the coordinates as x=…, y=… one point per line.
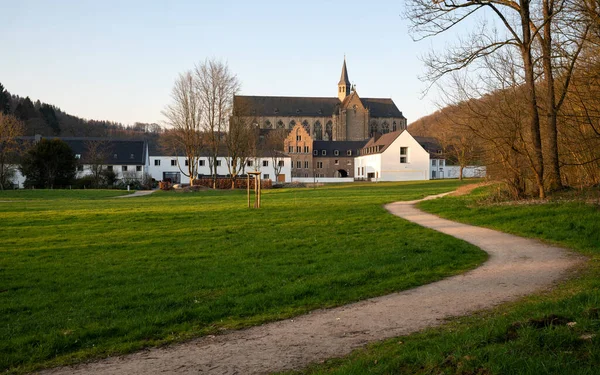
x=115, y=156
x=349, y=153
x=336, y=152
x=324, y=152
x=138, y=168
x=298, y=164
x=109, y=167
x=403, y=155
x=433, y=162
x=306, y=175
x=265, y=163
x=187, y=162
x=319, y=164
x=124, y=168
x=290, y=149
x=80, y=168
x=218, y=163
x=298, y=149
x=249, y=163
x=306, y=149
x=306, y=126
x=173, y=163
x=337, y=162
x=318, y=131
x=280, y=163
x=306, y=164
x=266, y=176
x=268, y=125
x=131, y=156
x=157, y=162
x=201, y=163
x=315, y=152
x=77, y=156
x=280, y=125
x=298, y=137
x=349, y=162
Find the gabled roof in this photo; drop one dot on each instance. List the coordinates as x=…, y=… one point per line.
x=117, y=151
x=294, y=106
x=341, y=146
x=382, y=142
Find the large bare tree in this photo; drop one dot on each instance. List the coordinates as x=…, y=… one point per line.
x=215, y=86
x=542, y=32
x=97, y=153
x=10, y=129
x=185, y=120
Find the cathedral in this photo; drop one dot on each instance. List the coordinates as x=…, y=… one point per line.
x=347, y=117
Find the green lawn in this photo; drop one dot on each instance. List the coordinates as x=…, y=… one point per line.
x=83, y=275
x=557, y=332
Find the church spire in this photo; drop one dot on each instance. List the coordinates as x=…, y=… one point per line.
x=344, y=84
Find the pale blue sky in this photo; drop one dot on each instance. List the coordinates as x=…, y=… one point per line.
x=117, y=60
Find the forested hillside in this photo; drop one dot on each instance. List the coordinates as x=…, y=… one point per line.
x=524, y=103
x=48, y=120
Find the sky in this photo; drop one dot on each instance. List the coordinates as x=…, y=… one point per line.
x=118, y=60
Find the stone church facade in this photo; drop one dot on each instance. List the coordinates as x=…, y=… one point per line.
x=347, y=117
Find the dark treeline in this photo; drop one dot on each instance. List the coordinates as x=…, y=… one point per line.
x=48, y=120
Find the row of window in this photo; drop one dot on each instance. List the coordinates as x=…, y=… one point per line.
x=335, y=152
x=299, y=149
x=202, y=163
x=115, y=156
x=124, y=168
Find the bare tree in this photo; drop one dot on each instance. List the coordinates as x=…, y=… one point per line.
x=546, y=32
x=10, y=129
x=240, y=142
x=215, y=86
x=184, y=116
x=273, y=146
x=97, y=152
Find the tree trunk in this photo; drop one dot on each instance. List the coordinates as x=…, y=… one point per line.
x=537, y=159
x=551, y=149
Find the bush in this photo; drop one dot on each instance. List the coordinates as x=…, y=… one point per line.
x=225, y=183
x=85, y=182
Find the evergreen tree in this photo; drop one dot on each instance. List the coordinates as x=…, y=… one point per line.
x=49, y=163
x=49, y=116
x=4, y=100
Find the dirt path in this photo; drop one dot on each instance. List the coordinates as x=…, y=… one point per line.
x=138, y=193
x=516, y=267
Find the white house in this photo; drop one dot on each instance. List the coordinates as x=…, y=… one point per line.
x=175, y=168
x=398, y=156
x=128, y=159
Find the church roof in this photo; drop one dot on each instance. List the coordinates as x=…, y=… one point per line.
x=297, y=106
x=344, y=77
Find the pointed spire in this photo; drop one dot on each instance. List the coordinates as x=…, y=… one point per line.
x=344, y=78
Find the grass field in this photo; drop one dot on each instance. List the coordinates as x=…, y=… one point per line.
x=552, y=333
x=83, y=275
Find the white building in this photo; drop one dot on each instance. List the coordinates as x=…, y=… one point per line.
x=398, y=156
x=175, y=168
x=128, y=159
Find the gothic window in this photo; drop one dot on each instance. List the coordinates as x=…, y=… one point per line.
x=318, y=132
x=306, y=126
x=280, y=125
x=268, y=125
x=373, y=129
x=394, y=126
x=292, y=124
x=385, y=128
x=329, y=130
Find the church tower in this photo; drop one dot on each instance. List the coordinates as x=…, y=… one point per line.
x=344, y=84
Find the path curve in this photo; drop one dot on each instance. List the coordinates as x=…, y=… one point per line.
x=137, y=193
x=516, y=267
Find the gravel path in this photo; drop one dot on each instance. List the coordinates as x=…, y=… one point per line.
x=516, y=267
x=138, y=193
